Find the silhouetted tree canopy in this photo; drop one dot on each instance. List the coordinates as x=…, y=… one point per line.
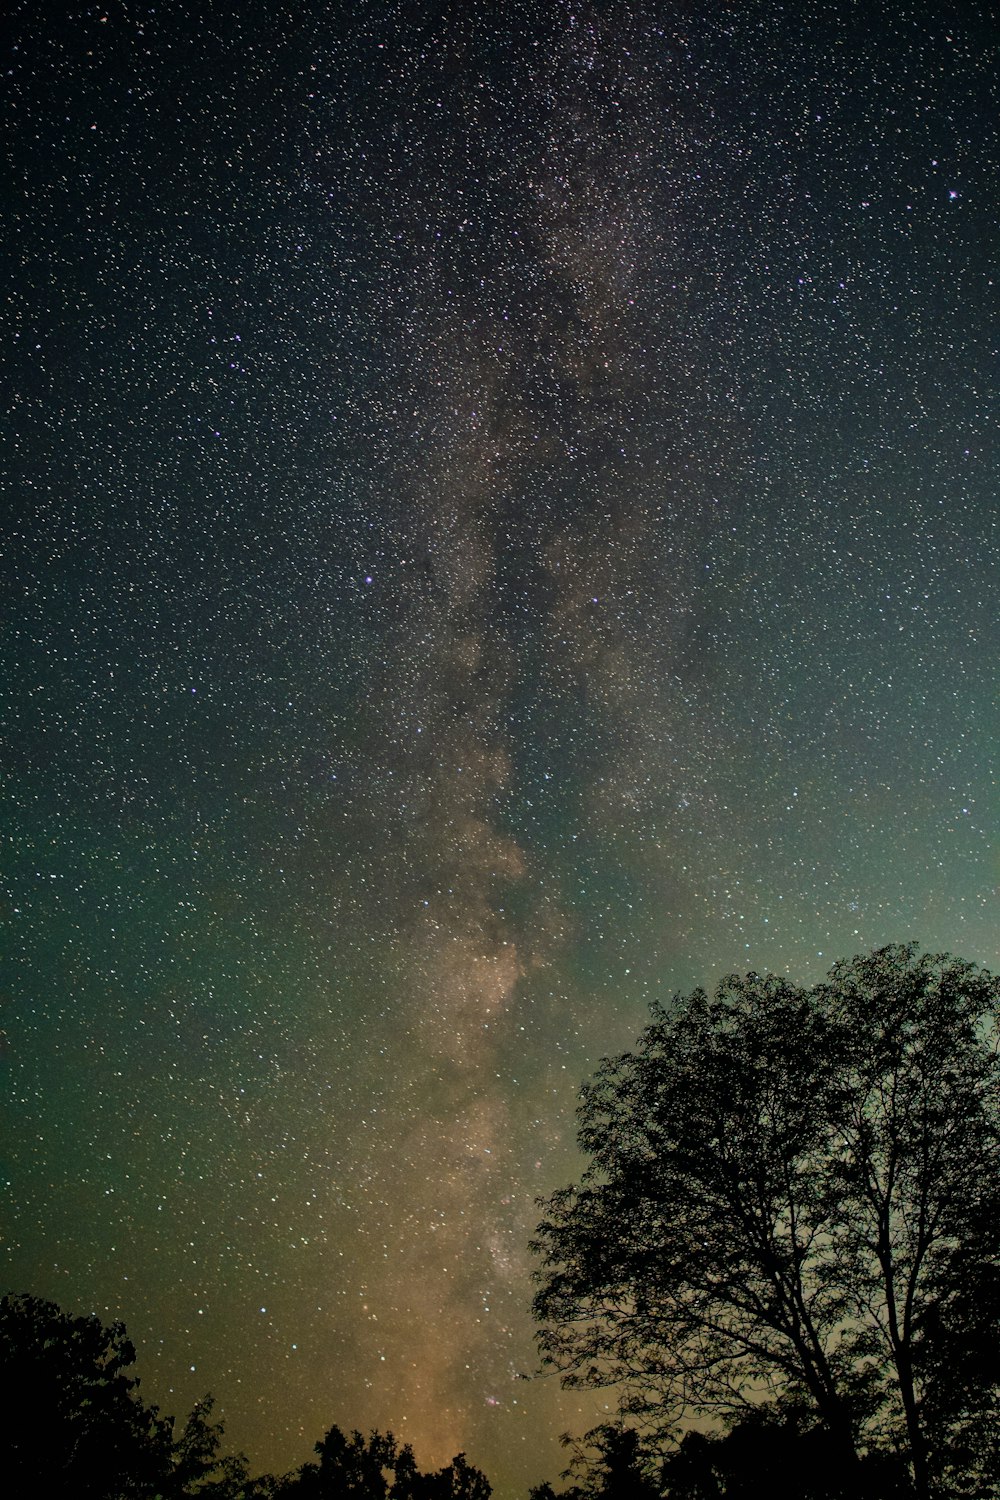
x=793, y=1196
x=199, y=1468
x=783, y=1454
x=72, y=1421
x=609, y=1464
x=376, y=1468
x=72, y=1424
x=773, y=1452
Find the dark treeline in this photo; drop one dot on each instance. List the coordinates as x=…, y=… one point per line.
x=783, y=1257
x=73, y=1424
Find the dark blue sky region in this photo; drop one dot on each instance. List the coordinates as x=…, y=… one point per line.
x=501, y=523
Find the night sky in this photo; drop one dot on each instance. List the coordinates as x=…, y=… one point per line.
x=501, y=523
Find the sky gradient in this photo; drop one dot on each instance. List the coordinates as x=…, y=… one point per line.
x=501, y=523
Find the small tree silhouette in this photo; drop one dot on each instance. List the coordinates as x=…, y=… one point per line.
x=72, y=1422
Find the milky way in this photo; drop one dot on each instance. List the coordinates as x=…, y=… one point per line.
x=502, y=524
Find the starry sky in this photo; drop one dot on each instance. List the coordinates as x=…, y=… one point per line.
x=500, y=524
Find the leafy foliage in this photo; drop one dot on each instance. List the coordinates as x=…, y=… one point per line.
x=780, y=1453
x=793, y=1195
x=611, y=1464
x=376, y=1468
x=198, y=1469
x=72, y=1424
x=72, y=1421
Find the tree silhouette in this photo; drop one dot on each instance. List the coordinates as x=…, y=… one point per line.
x=73, y=1425
x=781, y=1453
x=612, y=1465
x=795, y=1194
x=459, y=1480
x=356, y=1468
x=198, y=1469
x=72, y=1421
x=350, y=1467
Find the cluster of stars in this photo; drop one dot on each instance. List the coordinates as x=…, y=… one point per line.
x=505, y=526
